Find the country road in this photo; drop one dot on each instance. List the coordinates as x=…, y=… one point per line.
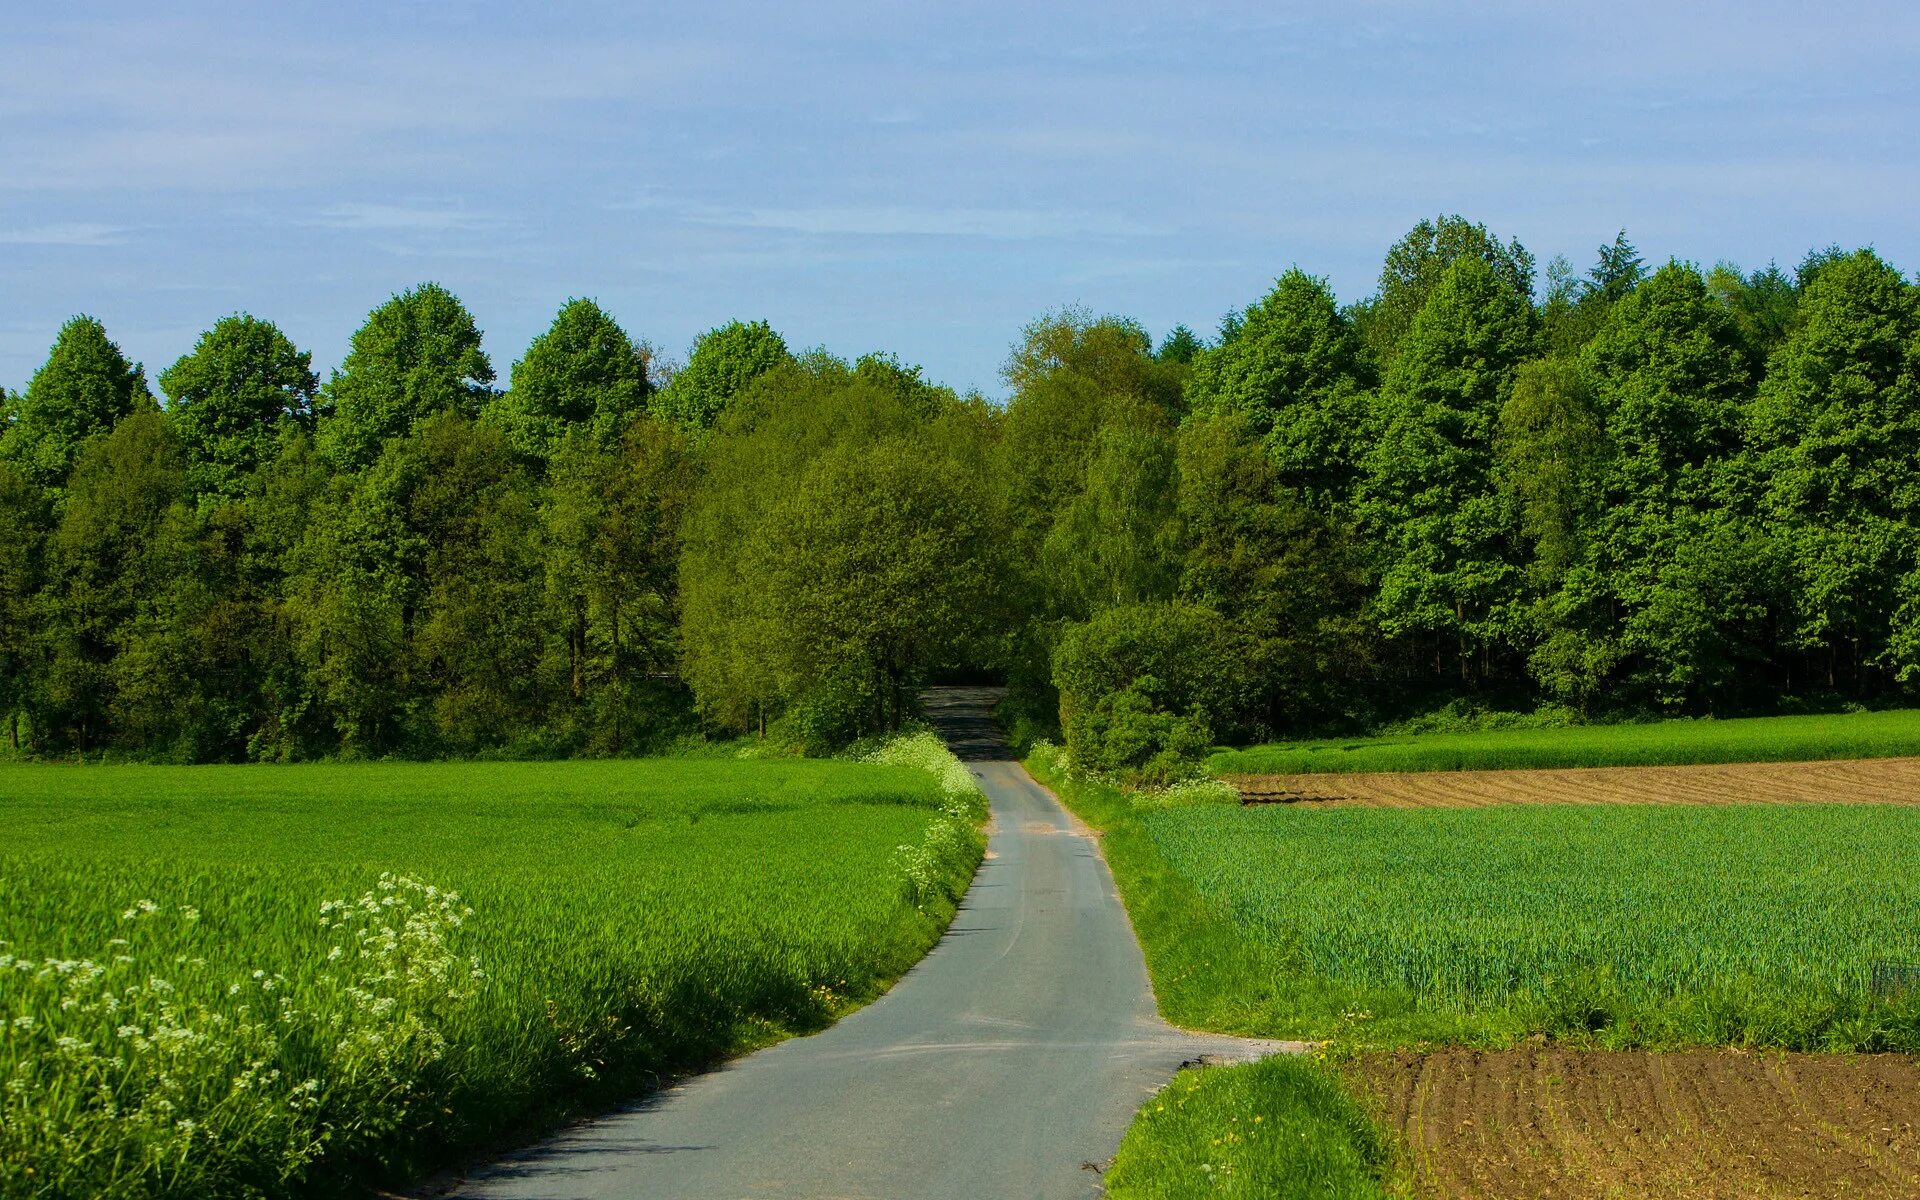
x=1005, y=1066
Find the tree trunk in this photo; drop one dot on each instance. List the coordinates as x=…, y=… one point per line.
x=1460, y=634
x=13, y=729
x=618, y=678
x=577, y=650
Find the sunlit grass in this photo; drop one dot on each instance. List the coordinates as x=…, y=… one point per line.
x=180, y=1015
x=1277, y=1129
x=1620, y=925
x=1664, y=743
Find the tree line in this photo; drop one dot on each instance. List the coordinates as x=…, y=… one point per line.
x=1626, y=491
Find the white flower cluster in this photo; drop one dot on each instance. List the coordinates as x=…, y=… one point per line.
x=154, y=1070
x=939, y=864
x=926, y=752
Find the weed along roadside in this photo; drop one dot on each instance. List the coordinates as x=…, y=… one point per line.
x=1641, y=948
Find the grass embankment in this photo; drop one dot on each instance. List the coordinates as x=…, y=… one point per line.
x=1278, y=1129
x=1628, y=926
x=1665, y=743
x=242, y=980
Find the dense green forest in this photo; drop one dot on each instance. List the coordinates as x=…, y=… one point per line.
x=1632, y=491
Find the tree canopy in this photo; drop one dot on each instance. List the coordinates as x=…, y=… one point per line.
x=584, y=373
x=1635, y=492
x=231, y=399
x=723, y=363
x=418, y=355
x=84, y=389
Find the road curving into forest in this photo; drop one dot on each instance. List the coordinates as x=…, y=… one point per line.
x=1006, y=1065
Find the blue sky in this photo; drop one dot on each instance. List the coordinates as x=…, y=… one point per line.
x=919, y=178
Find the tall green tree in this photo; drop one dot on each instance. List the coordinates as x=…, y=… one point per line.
x=243, y=385
x=1448, y=562
x=836, y=551
x=82, y=391
x=114, y=672
x=1551, y=456
x=1617, y=271
x=1297, y=370
x=418, y=355
x=1114, y=541
x=1415, y=265
x=418, y=595
x=23, y=529
x=1290, y=582
x=1083, y=387
x=611, y=524
x=1551, y=459
x=1686, y=573
x=1181, y=345
x=1837, y=428
x=724, y=362
x=1071, y=372
x=583, y=373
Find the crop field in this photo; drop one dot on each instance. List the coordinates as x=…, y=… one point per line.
x=1845, y=781
x=1665, y=743
x=1636, y=924
x=228, y=980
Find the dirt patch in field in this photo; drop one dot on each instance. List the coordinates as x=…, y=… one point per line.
x=1855, y=781
x=1588, y=1124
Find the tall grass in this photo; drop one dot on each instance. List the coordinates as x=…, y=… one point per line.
x=263, y=980
x=1665, y=743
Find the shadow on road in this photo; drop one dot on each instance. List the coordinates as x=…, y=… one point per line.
x=963, y=716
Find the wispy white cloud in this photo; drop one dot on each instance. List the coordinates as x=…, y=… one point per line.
x=908, y=221
x=71, y=233
x=398, y=218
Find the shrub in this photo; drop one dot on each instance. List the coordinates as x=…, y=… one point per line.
x=1144, y=687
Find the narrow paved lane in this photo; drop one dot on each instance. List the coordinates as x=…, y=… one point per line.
x=1002, y=1066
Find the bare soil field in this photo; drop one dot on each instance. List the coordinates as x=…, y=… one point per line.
x=1855, y=781
x=1534, y=1123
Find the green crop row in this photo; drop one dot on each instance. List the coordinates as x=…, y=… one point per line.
x=1628, y=925
x=1663, y=743
x=240, y=980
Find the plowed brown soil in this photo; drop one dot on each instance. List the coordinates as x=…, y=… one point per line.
x=1861, y=781
x=1577, y=1124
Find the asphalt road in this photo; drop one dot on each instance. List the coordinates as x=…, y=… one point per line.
x=1002, y=1067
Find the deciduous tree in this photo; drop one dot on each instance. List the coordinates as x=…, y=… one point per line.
x=723, y=363
x=418, y=355
x=1446, y=536
x=243, y=385
x=1296, y=369
x=82, y=391
x=584, y=373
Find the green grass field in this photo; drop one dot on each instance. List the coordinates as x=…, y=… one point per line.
x=1636, y=923
x=1642, y=925
x=180, y=1015
x=1665, y=743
